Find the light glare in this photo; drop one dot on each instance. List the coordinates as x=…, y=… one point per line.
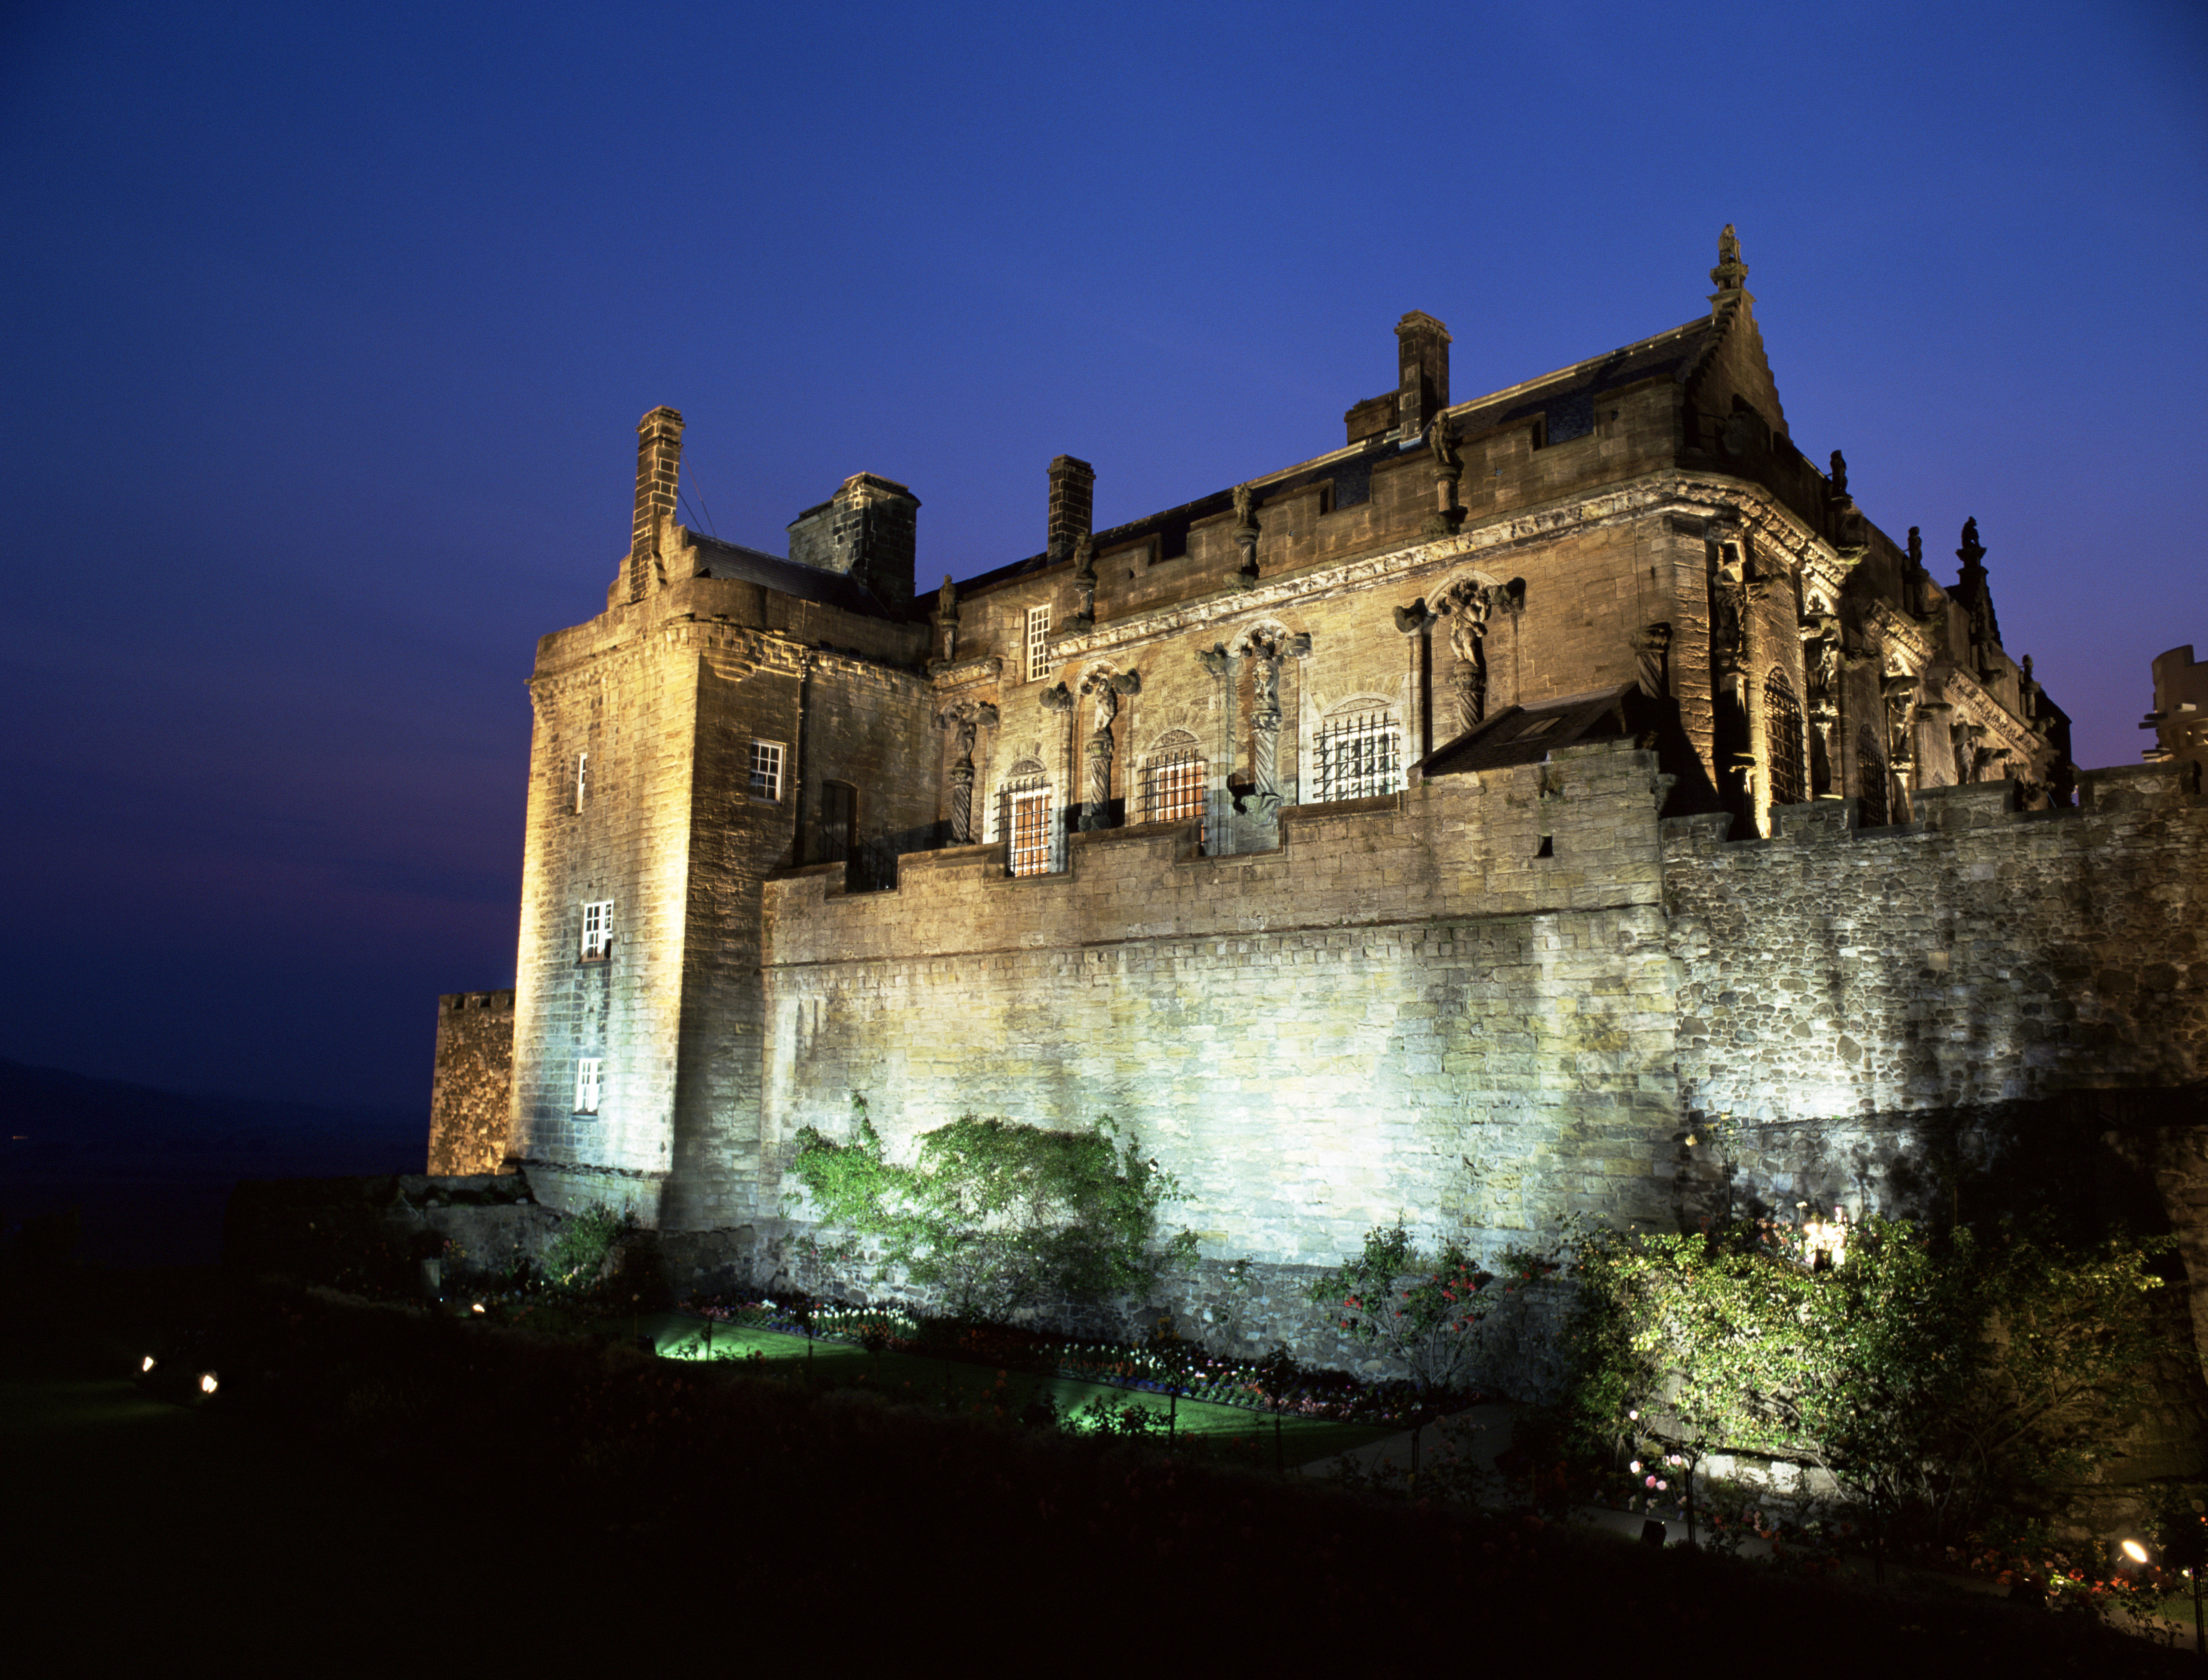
x=207, y=1381
x=2135, y=1551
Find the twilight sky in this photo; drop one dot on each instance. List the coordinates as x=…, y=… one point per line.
x=328, y=327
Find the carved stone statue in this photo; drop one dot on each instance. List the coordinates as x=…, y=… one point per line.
x=1441, y=439
x=1467, y=606
x=964, y=721
x=1245, y=519
x=1652, y=646
x=1729, y=613
x=1265, y=654
x=1839, y=475
x=1730, y=271
x=1084, y=581
x=1084, y=557
x=1972, y=550
x=1106, y=690
x=947, y=600
x=1820, y=659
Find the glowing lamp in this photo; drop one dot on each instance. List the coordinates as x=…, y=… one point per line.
x=207, y=1381
x=145, y=1364
x=478, y=1307
x=2135, y=1551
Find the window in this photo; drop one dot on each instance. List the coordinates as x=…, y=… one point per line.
x=766, y=769
x=1782, y=740
x=1357, y=756
x=582, y=781
x=590, y=1073
x=1870, y=780
x=1172, y=782
x=839, y=803
x=1028, y=820
x=598, y=929
x=1038, y=644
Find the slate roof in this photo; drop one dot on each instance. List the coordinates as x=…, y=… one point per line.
x=1521, y=734
x=716, y=559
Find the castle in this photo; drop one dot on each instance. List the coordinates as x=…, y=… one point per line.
x=1566, y=802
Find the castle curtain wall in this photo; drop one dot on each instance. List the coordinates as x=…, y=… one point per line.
x=1312, y=1039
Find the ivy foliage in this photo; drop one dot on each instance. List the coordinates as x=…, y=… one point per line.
x=1935, y=1385
x=994, y=1213
x=1419, y=1307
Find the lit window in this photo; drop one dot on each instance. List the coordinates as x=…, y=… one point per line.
x=1782, y=740
x=597, y=927
x=1172, y=782
x=766, y=769
x=1027, y=822
x=1356, y=755
x=590, y=1079
x=1038, y=643
x=582, y=781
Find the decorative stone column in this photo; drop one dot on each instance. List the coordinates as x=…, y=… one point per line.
x=1058, y=698
x=1265, y=654
x=1416, y=621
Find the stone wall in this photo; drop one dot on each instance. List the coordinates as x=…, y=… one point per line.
x=1483, y=1045
x=470, y=1091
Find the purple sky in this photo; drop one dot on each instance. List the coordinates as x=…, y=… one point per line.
x=328, y=328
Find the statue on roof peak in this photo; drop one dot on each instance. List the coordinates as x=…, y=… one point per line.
x=1731, y=272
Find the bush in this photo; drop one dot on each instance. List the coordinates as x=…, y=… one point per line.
x=578, y=1254
x=1418, y=1308
x=995, y=1215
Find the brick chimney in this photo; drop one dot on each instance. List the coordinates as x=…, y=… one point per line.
x=868, y=529
x=658, y=466
x=1422, y=360
x=1072, y=504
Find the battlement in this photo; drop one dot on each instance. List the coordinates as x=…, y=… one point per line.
x=452, y=1003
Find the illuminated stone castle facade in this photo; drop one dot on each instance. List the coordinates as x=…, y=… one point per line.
x=1564, y=801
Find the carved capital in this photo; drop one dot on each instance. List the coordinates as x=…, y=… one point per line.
x=1216, y=662
x=1057, y=698
x=1413, y=618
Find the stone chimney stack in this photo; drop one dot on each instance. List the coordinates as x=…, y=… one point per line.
x=1072, y=504
x=867, y=528
x=1422, y=360
x=658, y=467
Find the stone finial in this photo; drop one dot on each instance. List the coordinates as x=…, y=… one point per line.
x=1731, y=273
x=1916, y=546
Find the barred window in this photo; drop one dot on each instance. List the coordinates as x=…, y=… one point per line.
x=1356, y=755
x=1030, y=853
x=1173, y=778
x=1782, y=740
x=766, y=769
x=1870, y=780
x=590, y=1082
x=1038, y=644
x=597, y=927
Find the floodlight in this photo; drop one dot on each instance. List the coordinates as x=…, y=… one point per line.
x=207, y=1381
x=145, y=1365
x=2135, y=1551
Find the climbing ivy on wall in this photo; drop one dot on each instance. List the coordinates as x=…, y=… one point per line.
x=994, y=1213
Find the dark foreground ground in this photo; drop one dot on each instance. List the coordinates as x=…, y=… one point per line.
x=370, y=1487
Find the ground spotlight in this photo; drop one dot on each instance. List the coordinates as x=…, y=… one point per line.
x=206, y=1382
x=145, y=1365
x=2135, y=1551
x=478, y=1307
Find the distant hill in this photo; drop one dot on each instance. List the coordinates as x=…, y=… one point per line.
x=150, y=1170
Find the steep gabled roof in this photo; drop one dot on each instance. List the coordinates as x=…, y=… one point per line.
x=1526, y=735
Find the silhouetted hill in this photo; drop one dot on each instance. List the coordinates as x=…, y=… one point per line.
x=150, y=1170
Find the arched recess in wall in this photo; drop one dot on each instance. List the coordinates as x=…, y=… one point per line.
x=1870, y=779
x=1783, y=739
x=1026, y=812
x=1173, y=775
x=1357, y=750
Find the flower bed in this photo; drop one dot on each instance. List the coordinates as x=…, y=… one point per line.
x=1164, y=1365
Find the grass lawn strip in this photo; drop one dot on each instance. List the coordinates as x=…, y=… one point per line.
x=920, y=1377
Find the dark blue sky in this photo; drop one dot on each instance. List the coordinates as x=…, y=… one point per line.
x=328, y=327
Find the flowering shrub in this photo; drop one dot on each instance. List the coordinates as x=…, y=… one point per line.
x=1420, y=1309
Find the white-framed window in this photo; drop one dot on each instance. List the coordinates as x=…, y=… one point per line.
x=582, y=777
x=1038, y=644
x=590, y=1083
x=597, y=927
x=766, y=769
x=1173, y=781
x=1357, y=754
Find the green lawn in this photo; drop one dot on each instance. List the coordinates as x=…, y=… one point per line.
x=911, y=1376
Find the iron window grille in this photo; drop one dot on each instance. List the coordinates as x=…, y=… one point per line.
x=1029, y=815
x=1358, y=755
x=1782, y=740
x=1870, y=780
x=1173, y=778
